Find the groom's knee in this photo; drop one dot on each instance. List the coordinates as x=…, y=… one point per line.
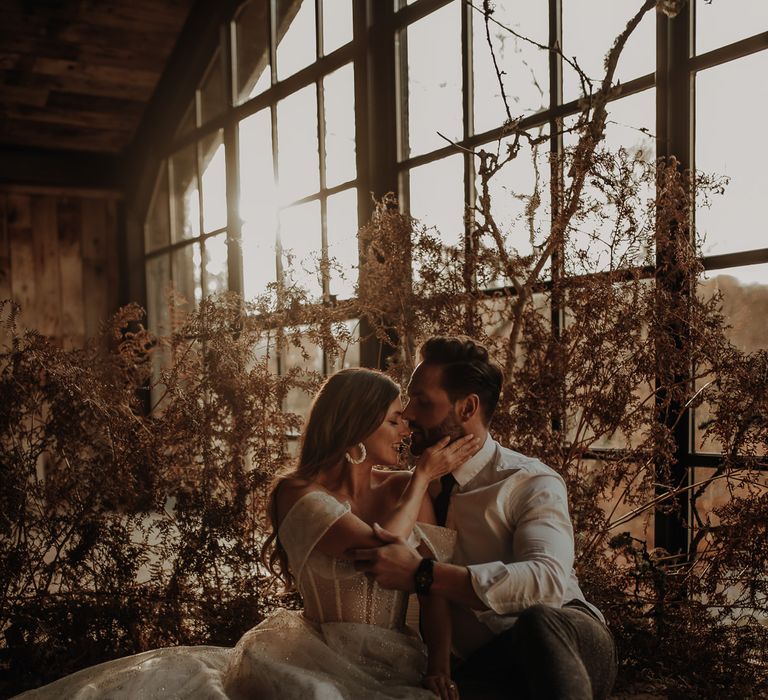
x=536, y=623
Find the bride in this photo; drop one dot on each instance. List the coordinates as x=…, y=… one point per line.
x=351, y=640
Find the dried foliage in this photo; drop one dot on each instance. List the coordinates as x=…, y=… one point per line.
x=134, y=474
x=134, y=471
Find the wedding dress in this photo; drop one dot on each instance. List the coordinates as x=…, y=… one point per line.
x=350, y=642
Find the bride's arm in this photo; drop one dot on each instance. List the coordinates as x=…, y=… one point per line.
x=350, y=532
x=436, y=630
x=436, y=461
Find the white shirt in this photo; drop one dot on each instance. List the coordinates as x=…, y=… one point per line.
x=514, y=534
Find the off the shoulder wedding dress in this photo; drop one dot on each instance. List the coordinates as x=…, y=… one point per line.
x=350, y=642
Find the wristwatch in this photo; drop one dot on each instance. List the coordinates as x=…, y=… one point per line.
x=423, y=576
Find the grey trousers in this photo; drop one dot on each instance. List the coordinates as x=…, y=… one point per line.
x=549, y=653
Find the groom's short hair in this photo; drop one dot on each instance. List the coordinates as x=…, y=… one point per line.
x=467, y=368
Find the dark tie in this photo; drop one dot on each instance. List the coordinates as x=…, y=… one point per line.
x=444, y=498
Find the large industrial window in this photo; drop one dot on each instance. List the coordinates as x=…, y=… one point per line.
x=451, y=93
x=286, y=137
x=272, y=180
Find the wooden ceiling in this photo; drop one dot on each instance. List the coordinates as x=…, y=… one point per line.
x=78, y=74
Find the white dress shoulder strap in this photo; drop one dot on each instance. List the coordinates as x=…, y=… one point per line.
x=305, y=524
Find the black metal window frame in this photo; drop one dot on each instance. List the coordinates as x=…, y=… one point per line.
x=379, y=58
x=674, y=83
x=228, y=120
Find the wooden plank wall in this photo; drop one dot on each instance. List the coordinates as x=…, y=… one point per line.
x=59, y=259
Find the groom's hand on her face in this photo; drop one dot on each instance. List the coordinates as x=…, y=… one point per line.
x=392, y=565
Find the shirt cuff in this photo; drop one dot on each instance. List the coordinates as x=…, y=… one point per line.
x=484, y=579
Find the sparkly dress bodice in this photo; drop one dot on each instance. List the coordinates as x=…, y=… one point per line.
x=333, y=591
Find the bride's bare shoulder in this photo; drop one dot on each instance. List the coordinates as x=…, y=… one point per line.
x=290, y=491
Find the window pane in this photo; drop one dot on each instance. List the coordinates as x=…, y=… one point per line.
x=158, y=280
x=339, y=105
x=213, y=94
x=337, y=24
x=437, y=197
x=157, y=231
x=295, y=36
x=216, y=278
x=257, y=179
x=299, y=400
x=720, y=23
x=632, y=122
x=634, y=487
x=185, y=197
x=186, y=265
x=437, y=202
x=158, y=272
x=301, y=245
x=434, y=79
x=738, y=578
x=589, y=30
x=258, y=207
x=497, y=313
x=342, y=243
x=745, y=307
x=297, y=155
x=608, y=396
x=259, y=257
x=252, y=50
x=514, y=190
x=729, y=119
x=214, y=182
x=600, y=233
x=525, y=67
x=351, y=354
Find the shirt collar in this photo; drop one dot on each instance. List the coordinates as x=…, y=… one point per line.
x=469, y=470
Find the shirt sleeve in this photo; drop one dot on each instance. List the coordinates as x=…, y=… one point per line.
x=543, y=551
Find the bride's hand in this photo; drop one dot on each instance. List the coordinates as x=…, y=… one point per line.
x=444, y=456
x=441, y=685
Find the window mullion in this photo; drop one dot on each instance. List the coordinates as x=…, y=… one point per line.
x=468, y=98
x=674, y=138
x=557, y=261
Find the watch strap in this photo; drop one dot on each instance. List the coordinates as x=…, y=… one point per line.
x=423, y=576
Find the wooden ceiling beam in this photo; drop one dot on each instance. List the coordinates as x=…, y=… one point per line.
x=26, y=134
x=58, y=168
x=82, y=118
x=77, y=74
x=75, y=84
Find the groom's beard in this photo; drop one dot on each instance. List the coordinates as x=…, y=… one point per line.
x=422, y=438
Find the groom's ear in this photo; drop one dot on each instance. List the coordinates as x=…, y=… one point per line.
x=468, y=407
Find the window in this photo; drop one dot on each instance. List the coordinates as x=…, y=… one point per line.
x=452, y=95
x=285, y=134
x=308, y=106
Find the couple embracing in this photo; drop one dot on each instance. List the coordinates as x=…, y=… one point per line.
x=481, y=533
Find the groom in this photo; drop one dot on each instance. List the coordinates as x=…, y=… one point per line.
x=521, y=625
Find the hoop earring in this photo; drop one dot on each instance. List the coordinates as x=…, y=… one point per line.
x=363, y=455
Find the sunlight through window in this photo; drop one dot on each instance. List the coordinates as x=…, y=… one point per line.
x=296, y=36
x=434, y=79
x=734, y=220
x=297, y=154
x=214, y=184
x=300, y=238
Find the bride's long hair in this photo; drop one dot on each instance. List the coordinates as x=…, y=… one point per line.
x=350, y=405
